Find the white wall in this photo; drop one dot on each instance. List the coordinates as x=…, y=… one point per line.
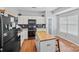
x=53, y=26
x=48, y=17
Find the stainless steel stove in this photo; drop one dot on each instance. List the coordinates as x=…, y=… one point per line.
x=31, y=27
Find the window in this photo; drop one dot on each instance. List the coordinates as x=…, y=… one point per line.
x=69, y=24
x=63, y=24
x=73, y=24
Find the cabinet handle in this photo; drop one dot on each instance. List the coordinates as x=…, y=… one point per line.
x=48, y=44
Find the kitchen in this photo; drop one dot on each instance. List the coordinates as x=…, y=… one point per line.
x=39, y=29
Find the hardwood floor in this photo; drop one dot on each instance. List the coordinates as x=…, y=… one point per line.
x=65, y=46
x=28, y=46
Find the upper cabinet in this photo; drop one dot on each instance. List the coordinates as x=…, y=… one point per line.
x=41, y=20
x=24, y=19
x=20, y=20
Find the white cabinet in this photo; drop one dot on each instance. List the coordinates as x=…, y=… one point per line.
x=48, y=46
x=25, y=20
x=41, y=20
x=45, y=42
x=24, y=35
x=22, y=20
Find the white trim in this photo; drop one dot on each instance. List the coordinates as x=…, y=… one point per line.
x=70, y=9
x=78, y=25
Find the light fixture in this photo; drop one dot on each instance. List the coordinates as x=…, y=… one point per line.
x=19, y=14
x=42, y=15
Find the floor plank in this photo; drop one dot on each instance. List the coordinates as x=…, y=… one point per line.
x=28, y=46
x=66, y=46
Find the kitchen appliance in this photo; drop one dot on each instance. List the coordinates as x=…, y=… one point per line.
x=31, y=28
x=8, y=33
x=1, y=30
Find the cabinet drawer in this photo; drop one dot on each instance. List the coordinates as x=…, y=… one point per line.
x=47, y=46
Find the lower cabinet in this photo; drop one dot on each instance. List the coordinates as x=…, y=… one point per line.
x=46, y=46
x=24, y=35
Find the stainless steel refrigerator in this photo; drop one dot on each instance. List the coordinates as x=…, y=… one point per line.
x=8, y=34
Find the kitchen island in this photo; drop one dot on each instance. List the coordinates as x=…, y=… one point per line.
x=45, y=42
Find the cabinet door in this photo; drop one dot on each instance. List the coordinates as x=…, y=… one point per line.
x=43, y=21
x=47, y=46
x=25, y=20
x=21, y=35
x=25, y=34
x=40, y=20
x=20, y=20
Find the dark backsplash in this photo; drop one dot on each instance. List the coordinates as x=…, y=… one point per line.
x=41, y=25
x=23, y=25
x=37, y=25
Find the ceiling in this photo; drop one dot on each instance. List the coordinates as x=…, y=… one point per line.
x=35, y=9
x=30, y=11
